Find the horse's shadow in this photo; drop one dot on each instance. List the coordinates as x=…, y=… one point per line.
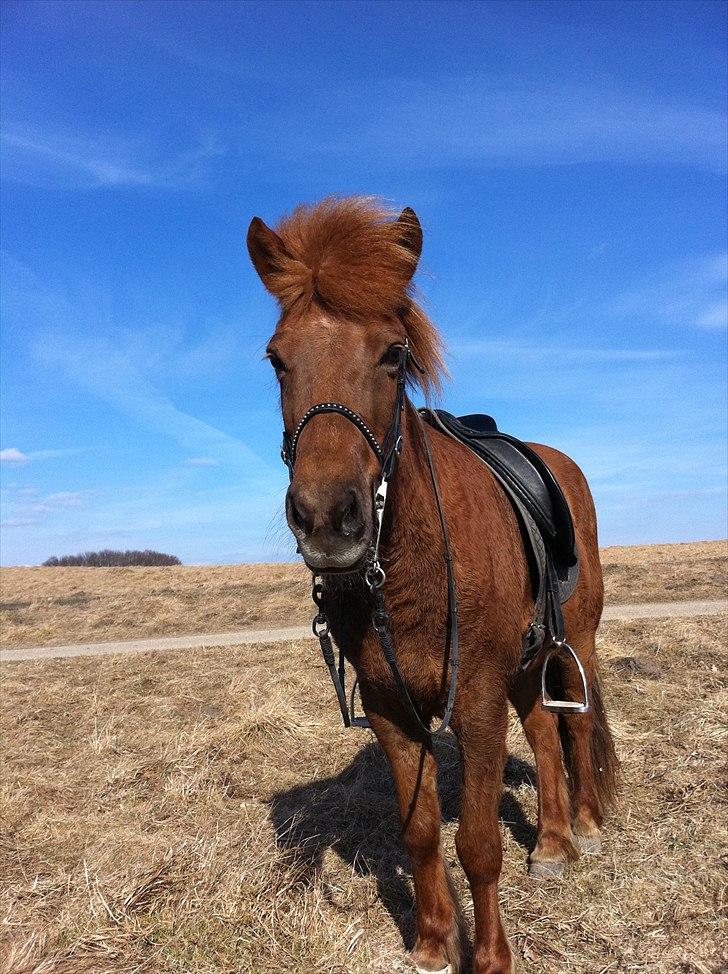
x=355, y=814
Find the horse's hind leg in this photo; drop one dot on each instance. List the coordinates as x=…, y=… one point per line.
x=555, y=845
x=588, y=749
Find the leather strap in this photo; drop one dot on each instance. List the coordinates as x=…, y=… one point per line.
x=380, y=622
x=387, y=453
x=288, y=450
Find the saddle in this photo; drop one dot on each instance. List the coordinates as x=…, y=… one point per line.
x=540, y=506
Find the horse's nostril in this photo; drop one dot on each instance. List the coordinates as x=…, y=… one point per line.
x=350, y=520
x=297, y=516
x=298, y=513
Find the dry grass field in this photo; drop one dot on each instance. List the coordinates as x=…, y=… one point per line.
x=204, y=812
x=46, y=606
x=42, y=606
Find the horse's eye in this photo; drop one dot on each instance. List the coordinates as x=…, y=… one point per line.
x=392, y=357
x=276, y=363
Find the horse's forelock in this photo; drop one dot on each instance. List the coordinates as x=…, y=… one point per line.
x=348, y=256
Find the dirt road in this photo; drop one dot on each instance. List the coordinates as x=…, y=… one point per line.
x=643, y=610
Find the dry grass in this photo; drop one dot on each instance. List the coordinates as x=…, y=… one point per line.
x=666, y=572
x=179, y=812
x=46, y=606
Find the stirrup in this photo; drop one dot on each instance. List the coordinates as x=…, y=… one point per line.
x=363, y=721
x=564, y=706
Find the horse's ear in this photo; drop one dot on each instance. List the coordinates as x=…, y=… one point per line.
x=410, y=233
x=267, y=251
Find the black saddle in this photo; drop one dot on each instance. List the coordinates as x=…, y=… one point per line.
x=542, y=510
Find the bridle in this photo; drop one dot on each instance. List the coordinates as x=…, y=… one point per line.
x=374, y=575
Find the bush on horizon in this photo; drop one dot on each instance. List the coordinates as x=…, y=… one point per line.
x=112, y=559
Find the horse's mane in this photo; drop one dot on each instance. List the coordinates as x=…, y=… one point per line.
x=349, y=256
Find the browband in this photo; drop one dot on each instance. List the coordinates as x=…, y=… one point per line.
x=385, y=453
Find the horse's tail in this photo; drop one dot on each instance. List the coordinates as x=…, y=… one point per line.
x=605, y=763
x=604, y=757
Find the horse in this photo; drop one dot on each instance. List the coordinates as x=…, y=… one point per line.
x=351, y=331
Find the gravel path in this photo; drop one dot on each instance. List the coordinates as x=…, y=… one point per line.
x=639, y=610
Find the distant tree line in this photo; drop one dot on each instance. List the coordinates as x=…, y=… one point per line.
x=112, y=559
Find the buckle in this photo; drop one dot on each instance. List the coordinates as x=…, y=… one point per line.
x=375, y=576
x=320, y=626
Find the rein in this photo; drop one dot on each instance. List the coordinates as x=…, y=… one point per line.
x=373, y=574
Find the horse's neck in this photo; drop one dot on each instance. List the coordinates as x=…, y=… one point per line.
x=413, y=543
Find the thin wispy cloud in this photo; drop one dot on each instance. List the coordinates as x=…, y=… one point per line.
x=103, y=161
x=104, y=367
x=525, y=353
x=109, y=363
x=63, y=499
x=716, y=316
x=467, y=120
x=21, y=508
x=487, y=119
x=691, y=293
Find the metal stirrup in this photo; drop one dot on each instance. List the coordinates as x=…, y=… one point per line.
x=564, y=706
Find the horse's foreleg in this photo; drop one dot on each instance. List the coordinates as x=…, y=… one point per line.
x=555, y=846
x=478, y=840
x=415, y=778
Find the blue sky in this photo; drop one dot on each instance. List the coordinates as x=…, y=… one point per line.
x=567, y=161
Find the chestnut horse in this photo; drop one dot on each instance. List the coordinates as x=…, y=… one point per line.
x=342, y=274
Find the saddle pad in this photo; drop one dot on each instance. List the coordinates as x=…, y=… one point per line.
x=524, y=474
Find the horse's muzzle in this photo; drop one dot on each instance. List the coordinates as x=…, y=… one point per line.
x=333, y=526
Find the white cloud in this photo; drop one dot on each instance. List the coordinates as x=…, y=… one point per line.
x=521, y=352
x=107, y=368
x=203, y=462
x=18, y=522
x=13, y=455
x=18, y=457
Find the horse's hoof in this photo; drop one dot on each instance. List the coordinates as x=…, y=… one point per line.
x=547, y=869
x=589, y=845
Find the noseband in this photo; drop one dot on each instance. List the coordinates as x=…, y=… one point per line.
x=374, y=575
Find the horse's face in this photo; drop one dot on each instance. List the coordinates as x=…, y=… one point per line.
x=333, y=356
x=318, y=358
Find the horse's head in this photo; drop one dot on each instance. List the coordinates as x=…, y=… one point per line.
x=342, y=274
